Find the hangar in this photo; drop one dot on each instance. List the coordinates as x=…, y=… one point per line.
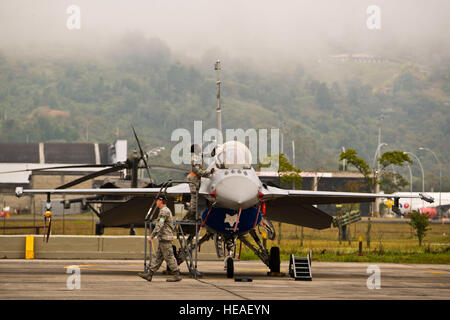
x=21, y=156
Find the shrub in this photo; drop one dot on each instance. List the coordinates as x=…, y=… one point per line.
x=420, y=223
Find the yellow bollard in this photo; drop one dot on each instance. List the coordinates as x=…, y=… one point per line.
x=29, y=247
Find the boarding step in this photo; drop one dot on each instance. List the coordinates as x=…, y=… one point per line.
x=300, y=267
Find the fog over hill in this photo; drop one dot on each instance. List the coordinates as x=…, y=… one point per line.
x=267, y=32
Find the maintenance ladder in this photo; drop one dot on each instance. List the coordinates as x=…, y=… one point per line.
x=186, y=245
x=300, y=267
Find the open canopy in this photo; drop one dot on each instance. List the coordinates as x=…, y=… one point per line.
x=233, y=154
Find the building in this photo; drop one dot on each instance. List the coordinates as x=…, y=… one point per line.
x=22, y=156
x=356, y=58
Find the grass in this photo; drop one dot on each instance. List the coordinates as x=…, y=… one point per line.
x=436, y=255
x=389, y=242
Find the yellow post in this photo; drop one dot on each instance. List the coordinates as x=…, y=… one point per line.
x=29, y=247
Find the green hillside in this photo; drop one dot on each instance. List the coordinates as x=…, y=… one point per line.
x=322, y=106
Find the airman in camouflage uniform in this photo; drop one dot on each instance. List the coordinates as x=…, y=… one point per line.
x=195, y=176
x=164, y=233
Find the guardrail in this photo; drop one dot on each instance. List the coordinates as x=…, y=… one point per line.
x=36, y=228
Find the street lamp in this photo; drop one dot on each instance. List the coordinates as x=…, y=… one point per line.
x=376, y=153
x=343, y=160
x=377, y=186
x=440, y=174
x=410, y=187
x=421, y=168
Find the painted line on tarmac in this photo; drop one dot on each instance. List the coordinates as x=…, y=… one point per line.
x=95, y=268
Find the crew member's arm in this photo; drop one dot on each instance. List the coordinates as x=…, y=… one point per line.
x=162, y=217
x=199, y=171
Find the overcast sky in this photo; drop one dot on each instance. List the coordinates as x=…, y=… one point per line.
x=265, y=30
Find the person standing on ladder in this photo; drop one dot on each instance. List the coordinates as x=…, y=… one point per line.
x=164, y=233
x=194, y=176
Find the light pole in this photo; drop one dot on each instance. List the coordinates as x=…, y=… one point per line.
x=440, y=174
x=377, y=172
x=421, y=168
x=376, y=153
x=343, y=160
x=410, y=187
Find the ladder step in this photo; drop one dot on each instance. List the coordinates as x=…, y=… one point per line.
x=303, y=279
x=303, y=264
x=301, y=268
x=303, y=273
x=301, y=259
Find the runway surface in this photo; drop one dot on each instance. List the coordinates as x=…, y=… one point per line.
x=114, y=279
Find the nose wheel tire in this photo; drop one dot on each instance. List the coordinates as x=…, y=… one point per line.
x=274, y=259
x=230, y=267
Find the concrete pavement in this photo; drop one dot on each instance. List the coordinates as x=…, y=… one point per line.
x=117, y=279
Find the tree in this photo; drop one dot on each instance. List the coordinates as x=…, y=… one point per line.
x=351, y=186
x=420, y=223
x=371, y=175
x=288, y=173
x=351, y=156
x=323, y=97
x=392, y=182
x=289, y=177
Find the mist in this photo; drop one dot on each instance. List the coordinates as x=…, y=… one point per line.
x=267, y=33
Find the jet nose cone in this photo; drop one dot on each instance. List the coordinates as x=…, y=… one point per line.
x=236, y=192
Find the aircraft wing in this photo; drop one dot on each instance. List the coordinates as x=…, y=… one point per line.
x=171, y=191
x=132, y=211
x=297, y=206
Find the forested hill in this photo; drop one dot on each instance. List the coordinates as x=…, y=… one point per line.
x=322, y=105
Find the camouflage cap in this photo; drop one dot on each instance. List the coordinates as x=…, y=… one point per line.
x=162, y=197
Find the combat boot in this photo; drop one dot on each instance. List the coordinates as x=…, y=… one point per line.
x=176, y=277
x=147, y=276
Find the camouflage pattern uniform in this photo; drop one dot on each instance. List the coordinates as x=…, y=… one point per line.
x=195, y=176
x=164, y=233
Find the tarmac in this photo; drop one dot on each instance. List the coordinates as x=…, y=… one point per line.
x=117, y=279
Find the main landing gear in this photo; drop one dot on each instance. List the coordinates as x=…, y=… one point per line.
x=270, y=258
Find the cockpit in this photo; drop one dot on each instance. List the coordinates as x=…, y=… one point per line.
x=233, y=154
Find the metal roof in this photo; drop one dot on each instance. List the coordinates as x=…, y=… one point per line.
x=22, y=156
x=54, y=152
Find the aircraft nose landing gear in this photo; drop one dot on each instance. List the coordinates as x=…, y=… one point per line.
x=229, y=266
x=229, y=262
